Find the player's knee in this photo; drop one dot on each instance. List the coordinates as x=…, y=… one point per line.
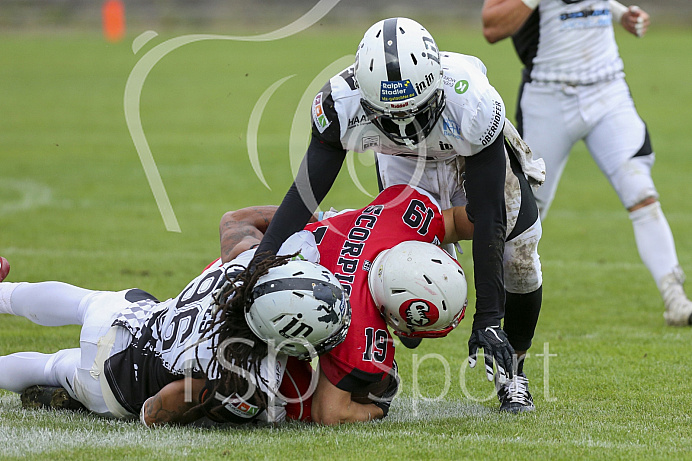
x=633, y=183
x=522, y=265
x=646, y=202
x=523, y=276
x=325, y=415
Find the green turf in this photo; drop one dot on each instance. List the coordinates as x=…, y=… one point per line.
x=75, y=206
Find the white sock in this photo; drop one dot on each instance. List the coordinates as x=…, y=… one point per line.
x=654, y=240
x=46, y=303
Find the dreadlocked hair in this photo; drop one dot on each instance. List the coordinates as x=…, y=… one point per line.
x=232, y=338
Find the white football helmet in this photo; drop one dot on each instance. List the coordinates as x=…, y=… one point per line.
x=419, y=288
x=400, y=79
x=300, y=307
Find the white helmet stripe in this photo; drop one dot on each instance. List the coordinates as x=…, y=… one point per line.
x=391, y=49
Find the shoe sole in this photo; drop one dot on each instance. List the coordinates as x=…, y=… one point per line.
x=515, y=409
x=55, y=398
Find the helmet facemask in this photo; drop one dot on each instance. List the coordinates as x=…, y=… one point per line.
x=410, y=126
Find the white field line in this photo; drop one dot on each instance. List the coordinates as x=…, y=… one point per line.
x=32, y=195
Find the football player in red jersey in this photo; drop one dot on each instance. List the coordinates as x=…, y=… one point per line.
x=353, y=244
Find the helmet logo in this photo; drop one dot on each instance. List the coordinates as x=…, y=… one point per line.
x=399, y=90
x=421, y=86
x=329, y=295
x=299, y=329
x=419, y=313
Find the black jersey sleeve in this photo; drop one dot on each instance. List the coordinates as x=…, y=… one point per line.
x=317, y=173
x=484, y=185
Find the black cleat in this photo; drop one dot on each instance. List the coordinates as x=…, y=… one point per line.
x=55, y=398
x=514, y=395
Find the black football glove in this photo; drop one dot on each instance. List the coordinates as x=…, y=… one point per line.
x=495, y=345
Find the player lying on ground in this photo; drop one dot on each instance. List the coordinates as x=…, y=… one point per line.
x=222, y=354
x=354, y=246
x=432, y=305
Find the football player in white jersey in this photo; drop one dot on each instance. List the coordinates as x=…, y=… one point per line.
x=226, y=355
x=573, y=88
x=436, y=123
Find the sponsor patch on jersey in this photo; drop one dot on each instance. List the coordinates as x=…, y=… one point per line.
x=358, y=121
x=451, y=129
x=318, y=116
x=494, y=124
x=419, y=313
x=398, y=90
x=238, y=406
x=370, y=141
x=449, y=81
x=461, y=86
x=585, y=19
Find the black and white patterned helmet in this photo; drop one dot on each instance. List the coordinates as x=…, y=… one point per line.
x=300, y=308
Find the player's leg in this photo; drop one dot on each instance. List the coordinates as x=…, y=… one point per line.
x=620, y=146
x=550, y=125
x=44, y=303
x=24, y=369
x=523, y=284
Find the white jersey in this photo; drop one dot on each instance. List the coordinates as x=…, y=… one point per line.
x=473, y=117
x=570, y=41
x=169, y=343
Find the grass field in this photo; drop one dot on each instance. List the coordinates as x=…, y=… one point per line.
x=75, y=206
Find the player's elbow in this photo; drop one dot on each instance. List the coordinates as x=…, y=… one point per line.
x=225, y=219
x=493, y=34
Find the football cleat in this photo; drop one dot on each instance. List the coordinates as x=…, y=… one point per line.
x=50, y=397
x=678, y=307
x=514, y=394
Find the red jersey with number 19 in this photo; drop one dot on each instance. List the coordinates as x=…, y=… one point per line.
x=348, y=244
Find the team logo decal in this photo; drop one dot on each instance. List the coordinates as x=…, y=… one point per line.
x=461, y=86
x=419, y=313
x=321, y=121
x=399, y=90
